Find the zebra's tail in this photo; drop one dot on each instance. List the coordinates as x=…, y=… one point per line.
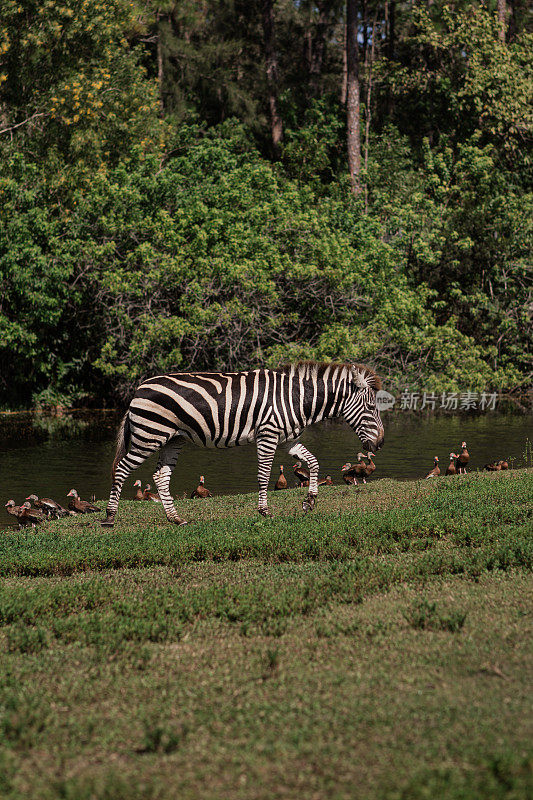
x=123, y=442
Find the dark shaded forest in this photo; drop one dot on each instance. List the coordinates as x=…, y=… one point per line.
x=221, y=185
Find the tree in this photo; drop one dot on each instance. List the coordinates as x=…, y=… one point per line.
x=502, y=19
x=272, y=74
x=318, y=46
x=353, y=120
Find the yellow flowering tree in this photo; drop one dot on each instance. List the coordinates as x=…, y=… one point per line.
x=73, y=89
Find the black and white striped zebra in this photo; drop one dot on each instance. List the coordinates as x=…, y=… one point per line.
x=270, y=407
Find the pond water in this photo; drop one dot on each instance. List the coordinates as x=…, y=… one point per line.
x=49, y=456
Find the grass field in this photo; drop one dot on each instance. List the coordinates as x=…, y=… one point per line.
x=379, y=647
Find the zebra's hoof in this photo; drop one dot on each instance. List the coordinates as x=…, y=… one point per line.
x=265, y=512
x=309, y=503
x=179, y=521
x=107, y=523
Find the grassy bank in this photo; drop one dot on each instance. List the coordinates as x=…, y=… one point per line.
x=377, y=647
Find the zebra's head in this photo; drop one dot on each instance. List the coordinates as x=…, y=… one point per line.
x=360, y=410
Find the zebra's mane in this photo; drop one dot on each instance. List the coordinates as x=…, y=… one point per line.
x=363, y=376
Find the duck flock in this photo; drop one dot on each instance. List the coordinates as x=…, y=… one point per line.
x=45, y=508
x=34, y=510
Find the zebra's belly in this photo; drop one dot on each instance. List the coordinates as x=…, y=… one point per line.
x=218, y=442
x=245, y=438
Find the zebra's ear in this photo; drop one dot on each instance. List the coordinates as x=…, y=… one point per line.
x=361, y=379
x=364, y=377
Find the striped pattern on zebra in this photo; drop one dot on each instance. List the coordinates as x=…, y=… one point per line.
x=270, y=407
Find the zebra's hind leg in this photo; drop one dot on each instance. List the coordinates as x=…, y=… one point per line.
x=125, y=466
x=301, y=452
x=267, y=442
x=167, y=461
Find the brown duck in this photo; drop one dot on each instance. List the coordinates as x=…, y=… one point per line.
x=326, y=481
x=347, y=476
x=30, y=516
x=351, y=473
x=504, y=464
x=451, y=469
x=370, y=467
x=139, y=493
x=201, y=490
x=462, y=459
x=302, y=474
x=494, y=467
x=12, y=509
x=149, y=495
x=48, y=506
x=80, y=506
x=281, y=482
x=435, y=472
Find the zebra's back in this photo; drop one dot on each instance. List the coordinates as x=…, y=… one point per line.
x=212, y=409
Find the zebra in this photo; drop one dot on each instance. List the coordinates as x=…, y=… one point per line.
x=270, y=407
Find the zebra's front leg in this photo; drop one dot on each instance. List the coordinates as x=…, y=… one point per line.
x=301, y=452
x=167, y=461
x=267, y=443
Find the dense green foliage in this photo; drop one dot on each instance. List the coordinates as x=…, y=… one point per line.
x=145, y=225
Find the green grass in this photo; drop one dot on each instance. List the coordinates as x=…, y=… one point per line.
x=375, y=648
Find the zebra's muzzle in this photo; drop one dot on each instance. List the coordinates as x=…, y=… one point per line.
x=374, y=446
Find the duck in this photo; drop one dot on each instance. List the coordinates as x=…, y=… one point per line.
x=79, y=505
x=326, y=481
x=21, y=514
x=462, y=459
x=12, y=508
x=149, y=495
x=450, y=469
x=494, y=467
x=351, y=473
x=48, y=506
x=504, y=464
x=435, y=472
x=370, y=466
x=139, y=493
x=302, y=474
x=30, y=516
x=281, y=482
x=347, y=477
x=201, y=490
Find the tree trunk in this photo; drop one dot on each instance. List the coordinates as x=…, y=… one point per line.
x=160, y=74
x=319, y=48
x=392, y=20
x=353, y=121
x=364, y=21
x=502, y=19
x=344, y=68
x=271, y=61
x=511, y=28
x=368, y=102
